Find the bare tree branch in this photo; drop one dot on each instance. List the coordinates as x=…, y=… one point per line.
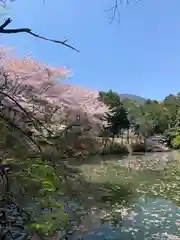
x=22, y=131
x=115, y=10
x=29, y=31
x=8, y=21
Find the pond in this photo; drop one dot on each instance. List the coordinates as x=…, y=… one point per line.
x=151, y=209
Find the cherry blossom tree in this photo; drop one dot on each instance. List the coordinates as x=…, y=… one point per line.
x=23, y=84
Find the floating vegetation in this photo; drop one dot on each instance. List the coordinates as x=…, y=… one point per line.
x=143, y=196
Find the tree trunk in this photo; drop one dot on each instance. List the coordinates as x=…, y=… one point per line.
x=122, y=136
x=128, y=136
x=104, y=144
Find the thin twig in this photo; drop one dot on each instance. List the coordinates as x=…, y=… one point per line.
x=115, y=10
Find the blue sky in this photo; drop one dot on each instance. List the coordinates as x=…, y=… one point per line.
x=141, y=55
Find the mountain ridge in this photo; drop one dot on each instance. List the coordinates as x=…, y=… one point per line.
x=138, y=99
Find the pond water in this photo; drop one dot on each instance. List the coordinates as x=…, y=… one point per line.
x=151, y=209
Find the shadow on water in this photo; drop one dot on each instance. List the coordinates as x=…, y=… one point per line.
x=116, y=180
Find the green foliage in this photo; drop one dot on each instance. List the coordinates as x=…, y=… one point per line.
x=149, y=118
x=40, y=180
x=170, y=134
x=50, y=222
x=33, y=181
x=110, y=98
x=176, y=142
x=117, y=120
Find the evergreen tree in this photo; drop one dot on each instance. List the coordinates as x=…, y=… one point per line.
x=117, y=120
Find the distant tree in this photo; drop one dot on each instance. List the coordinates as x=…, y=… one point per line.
x=171, y=103
x=158, y=115
x=117, y=117
x=110, y=98
x=148, y=101
x=117, y=120
x=148, y=118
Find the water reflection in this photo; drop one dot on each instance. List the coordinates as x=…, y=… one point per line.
x=146, y=160
x=151, y=218
x=154, y=218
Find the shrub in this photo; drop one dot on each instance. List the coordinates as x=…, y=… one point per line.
x=119, y=148
x=116, y=148
x=175, y=142
x=138, y=147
